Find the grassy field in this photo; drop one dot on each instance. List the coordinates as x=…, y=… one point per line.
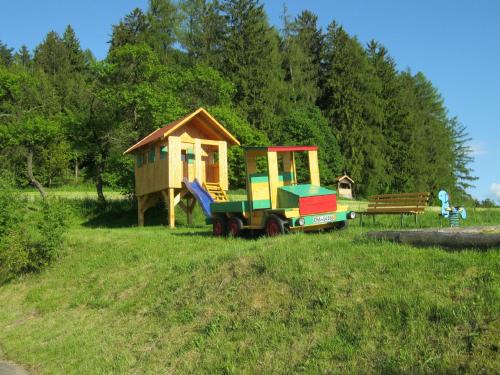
x=123, y=299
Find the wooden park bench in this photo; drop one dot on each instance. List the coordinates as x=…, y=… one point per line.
x=396, y=204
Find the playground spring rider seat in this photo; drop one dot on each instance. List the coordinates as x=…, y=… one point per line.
x=453, y=214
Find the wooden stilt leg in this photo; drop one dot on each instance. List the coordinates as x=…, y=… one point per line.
x=164, y=196
x=189, y=211
x=140, y=211
x=171, y=208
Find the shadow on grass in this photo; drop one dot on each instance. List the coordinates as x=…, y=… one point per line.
x=116, y=214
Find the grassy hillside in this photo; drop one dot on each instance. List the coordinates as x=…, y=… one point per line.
x=123, y=299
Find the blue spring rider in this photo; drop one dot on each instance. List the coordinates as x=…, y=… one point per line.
x=453, y=214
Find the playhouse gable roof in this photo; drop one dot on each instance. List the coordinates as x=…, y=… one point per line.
x=168, y=129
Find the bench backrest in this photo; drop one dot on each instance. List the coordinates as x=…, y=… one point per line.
x=405, y=202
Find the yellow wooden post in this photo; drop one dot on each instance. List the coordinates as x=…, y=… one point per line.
x=313, y=167
x=223, y=179
x=287, y=167
x=272, y=160
x=174, y=162
x=171, y=207
x=198, y=173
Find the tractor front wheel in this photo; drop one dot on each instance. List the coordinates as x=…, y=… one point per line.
x=275, y=226
x=219, y=226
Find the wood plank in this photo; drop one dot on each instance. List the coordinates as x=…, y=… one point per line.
x=383, y=196
x=223, y=176
x=198, y=173
x=313, y=167
x=174, y=162
x=272, y=159
x=171, y=207
x=395, y=210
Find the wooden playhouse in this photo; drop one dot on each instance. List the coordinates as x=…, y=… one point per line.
x=193, y=147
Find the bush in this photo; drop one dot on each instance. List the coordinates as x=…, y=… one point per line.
x=30, y=234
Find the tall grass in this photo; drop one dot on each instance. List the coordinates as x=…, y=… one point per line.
x=124, y=299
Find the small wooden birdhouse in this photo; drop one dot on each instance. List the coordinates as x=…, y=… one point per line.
x=345, y=187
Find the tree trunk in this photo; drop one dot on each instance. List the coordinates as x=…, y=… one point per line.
x=98, y=183
x=76, y=170
x=32, y=179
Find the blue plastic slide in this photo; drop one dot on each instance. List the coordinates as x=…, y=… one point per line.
x=201, y=195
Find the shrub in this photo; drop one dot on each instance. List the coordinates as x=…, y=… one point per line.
x=30, y=233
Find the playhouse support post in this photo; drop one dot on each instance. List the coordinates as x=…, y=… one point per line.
x=171, y=208
x=140, y=211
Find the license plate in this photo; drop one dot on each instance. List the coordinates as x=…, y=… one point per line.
x=323, y=219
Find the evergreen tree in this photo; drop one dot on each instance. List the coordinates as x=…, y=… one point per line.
x=23, y=57
x=299, y=65
x=350, y=101
x=76, y=57
x=463, y=158
x=5, y=54
x=51, y=55
x=251, y=60
x=130, y=30
x=163, y=24
x=202, y=31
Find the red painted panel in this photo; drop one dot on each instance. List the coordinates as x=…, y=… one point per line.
x=317, y=204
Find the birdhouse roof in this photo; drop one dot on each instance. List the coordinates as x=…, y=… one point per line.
x=168, y=129
x=344, y=177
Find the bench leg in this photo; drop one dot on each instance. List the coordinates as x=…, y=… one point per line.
x=401, y=221
x=361, y=220
x=373, y=219
x=416, y=220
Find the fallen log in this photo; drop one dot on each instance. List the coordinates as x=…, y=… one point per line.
x=452, y=238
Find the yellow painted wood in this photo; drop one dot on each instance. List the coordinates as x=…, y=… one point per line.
x=313, y=167
x=174, y=162
x=223, y=177
x=209, y=142
x=197, y=160
x=272, y=160
x=288, y=167
x=171, y=208
x=260, y=190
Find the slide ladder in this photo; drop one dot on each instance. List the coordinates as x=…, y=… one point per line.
x=202, y=196
x=215, y=190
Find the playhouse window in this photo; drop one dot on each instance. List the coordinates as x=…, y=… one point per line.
x=163, y=152
x=151, y=155
x=139, y=160
x=190, y=156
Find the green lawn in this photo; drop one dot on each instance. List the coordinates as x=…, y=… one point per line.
x=123, y=299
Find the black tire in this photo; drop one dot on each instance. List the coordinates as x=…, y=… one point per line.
x=234, y=226
x=275, y=226
x=341, y=225
x=219, y=226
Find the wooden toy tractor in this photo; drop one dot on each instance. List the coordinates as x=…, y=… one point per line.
x=275, y=202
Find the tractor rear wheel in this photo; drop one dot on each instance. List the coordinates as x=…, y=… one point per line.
x=234, y=226
x=219, y=226
x=275, y=226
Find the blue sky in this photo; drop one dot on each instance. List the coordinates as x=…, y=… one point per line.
x=456, y=43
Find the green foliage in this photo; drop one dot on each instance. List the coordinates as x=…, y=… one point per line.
x=30, y=233
x=307, y=126
x=73, y=115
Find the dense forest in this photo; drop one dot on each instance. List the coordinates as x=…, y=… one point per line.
x=66, y=117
